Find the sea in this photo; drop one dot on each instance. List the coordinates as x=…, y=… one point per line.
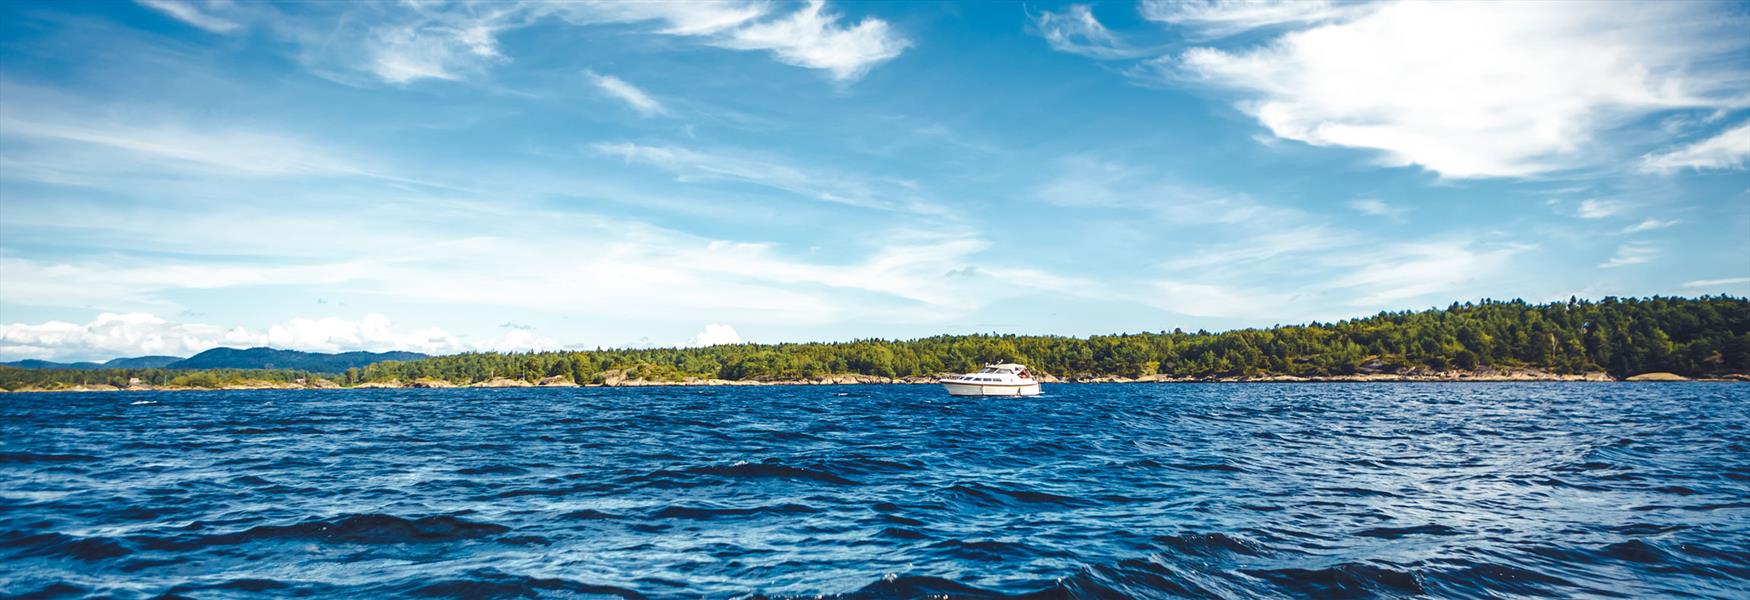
x=1351, y=490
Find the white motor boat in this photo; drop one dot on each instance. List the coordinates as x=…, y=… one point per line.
x=1007, y=379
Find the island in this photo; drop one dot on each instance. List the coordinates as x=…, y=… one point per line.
x=1640, y=339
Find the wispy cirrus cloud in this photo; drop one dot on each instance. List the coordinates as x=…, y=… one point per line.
x=1650, y=224
x=696, y=165
x=1633, y=253
x=192, y=15
x=628, y=93
x=1218, y=18
x=1092, y=181
x=1598, y=209
x=1730, y=149
x=1076, y=31
x=54, y=138
x=1375, y=207
x=405, y=43
x=1714, y=283
x=1343, y=281
x=814, y=38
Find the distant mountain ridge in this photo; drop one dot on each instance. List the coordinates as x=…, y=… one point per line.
x=235, y=358
x=137, y=362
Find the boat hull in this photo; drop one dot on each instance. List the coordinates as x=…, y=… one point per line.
x=991, y=389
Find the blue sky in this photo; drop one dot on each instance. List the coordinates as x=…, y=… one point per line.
x=182, y=174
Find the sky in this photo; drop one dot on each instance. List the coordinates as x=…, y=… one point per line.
x=443, y=177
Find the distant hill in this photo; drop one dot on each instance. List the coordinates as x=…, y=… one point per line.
x=269, y=358
x=138, y=362
x=234, y=358
x=142, y=362
x=31, y=363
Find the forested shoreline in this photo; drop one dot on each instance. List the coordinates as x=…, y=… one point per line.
x=1693, y=337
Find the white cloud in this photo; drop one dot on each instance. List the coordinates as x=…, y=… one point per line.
x=626, y=92
x=1631, y=254
x=1211, y=300
x=1392, y=275
x=1217, y=18
x=1708, y=283
x=1599, y=209
x=714, y=334
x=1728, y=150
x=1076, y=31
x=1649, y=225
x=114, y=335
x=700, y=18
x=406, y=54
x=1481, y=89
x=187, y=13
x=1264, y=246
x=1378, y=208
x=1337, y=281
x=54, y=138
x=404, y=43
x=1090, y=182
x=696, y=165
x=814, y=39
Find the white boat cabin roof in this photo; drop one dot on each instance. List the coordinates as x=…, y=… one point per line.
x=1004, y=367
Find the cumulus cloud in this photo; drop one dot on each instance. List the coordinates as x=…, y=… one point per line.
x=1479, y=89
x=1728, y=150
x=113, y=335
x=628, y=93
x=714, y=334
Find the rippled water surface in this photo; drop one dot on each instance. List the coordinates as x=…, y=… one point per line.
x=1461, y=490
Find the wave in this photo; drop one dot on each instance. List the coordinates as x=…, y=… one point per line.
x=1343, y=580
x=353, y=529
x=769, y=470
x=712, y=512
x=28, y=458
x=898, y=587
x=1210, y=544
x=991, y=495
x=991, y=550
x=1392, y=533
x=53, y=544
x=492, y=583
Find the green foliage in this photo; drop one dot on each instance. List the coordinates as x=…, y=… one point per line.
x=14, y=378
x=1624, y=337
x=1700, y=336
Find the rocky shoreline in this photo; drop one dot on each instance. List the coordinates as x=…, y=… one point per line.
x=617, y=380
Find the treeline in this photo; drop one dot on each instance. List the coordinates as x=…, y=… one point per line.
x=1701, y=336
x=13, y=378
x=1692, y=337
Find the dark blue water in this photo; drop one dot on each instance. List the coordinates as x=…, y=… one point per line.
x=1324, y=490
